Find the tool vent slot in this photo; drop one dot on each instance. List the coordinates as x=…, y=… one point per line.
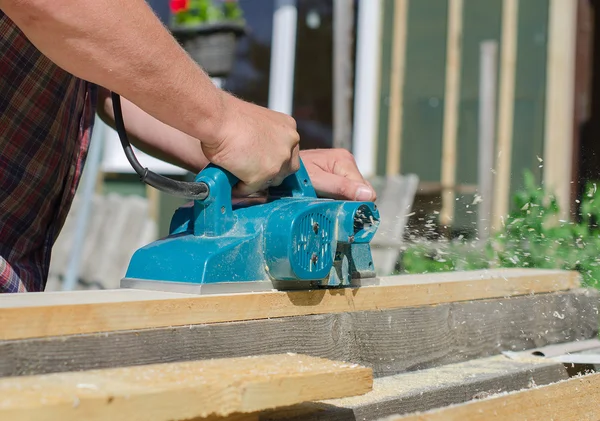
x=313, y=251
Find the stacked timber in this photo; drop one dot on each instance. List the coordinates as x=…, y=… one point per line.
x=410, y=344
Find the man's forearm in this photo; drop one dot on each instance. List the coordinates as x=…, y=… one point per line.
x=154, y=137
x=121, y=45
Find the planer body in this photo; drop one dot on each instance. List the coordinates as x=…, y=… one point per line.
x=289, y=240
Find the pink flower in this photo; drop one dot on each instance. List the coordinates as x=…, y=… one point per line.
x=178, y=5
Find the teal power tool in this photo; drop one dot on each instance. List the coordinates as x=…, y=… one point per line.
x=289, y=240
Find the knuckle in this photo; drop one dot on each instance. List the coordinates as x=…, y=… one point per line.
x=342, y=189
x=295, y=138
x=273, y=172
x=291, y=121
x=346, y=154
x=295, y=165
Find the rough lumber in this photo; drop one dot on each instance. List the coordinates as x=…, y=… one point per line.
x=390, y=341
x=181, y=390
x=574, y=399
x=428, y=389
x=42, y=314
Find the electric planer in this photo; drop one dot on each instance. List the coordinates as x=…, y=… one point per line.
x=289, y=240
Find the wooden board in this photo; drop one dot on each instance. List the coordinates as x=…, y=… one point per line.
x=42, y=314
x=574, y=399
x=427, y=389
x=181, y=390
x=390, y=341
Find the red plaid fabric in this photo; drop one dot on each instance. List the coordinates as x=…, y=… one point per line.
x=46, y=117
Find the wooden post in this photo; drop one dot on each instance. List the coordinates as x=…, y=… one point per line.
x=508, y=61
x=560, y=84
x=487, y=124
x=343, y=28
x=397, y=87
x=451, y=109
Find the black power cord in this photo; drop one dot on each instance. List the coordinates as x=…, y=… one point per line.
x=183, y=189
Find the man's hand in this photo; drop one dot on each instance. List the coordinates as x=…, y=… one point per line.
x=257, y=145
x=334, y=174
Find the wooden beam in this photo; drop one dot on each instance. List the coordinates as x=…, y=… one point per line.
x=429, y=389
x=560, y=97
x=506, y=109
x=574, y=399
x=397, y=87
x=49, y=314
x=390, y=341
x=451, y=108
x=179, y=391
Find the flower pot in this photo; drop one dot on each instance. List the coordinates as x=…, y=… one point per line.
x=211, y=45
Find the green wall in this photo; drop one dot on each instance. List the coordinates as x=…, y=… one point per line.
x=530, y=90
x=424, y=87
x=423, y=96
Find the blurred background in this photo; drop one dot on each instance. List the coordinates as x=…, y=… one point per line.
x=476, y=121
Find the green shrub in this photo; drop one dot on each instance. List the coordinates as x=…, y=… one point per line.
x=193, y=12
x=531, y=237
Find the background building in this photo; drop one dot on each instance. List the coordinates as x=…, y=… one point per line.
x=415, y=100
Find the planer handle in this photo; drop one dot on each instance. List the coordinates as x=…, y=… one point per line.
x=214, y=216
x=294, y=185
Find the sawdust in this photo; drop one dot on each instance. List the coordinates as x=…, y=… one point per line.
x=419, y=382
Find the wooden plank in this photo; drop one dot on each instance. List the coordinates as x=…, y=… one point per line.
x=506, y=98
x=560, y=107
x=397, y=87
x=574, y=399
x=180, y=390
x=39, y=314
x=389, y=341
x=428, y=389
x=451, y=109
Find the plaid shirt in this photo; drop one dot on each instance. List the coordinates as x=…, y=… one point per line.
x=46, y=117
